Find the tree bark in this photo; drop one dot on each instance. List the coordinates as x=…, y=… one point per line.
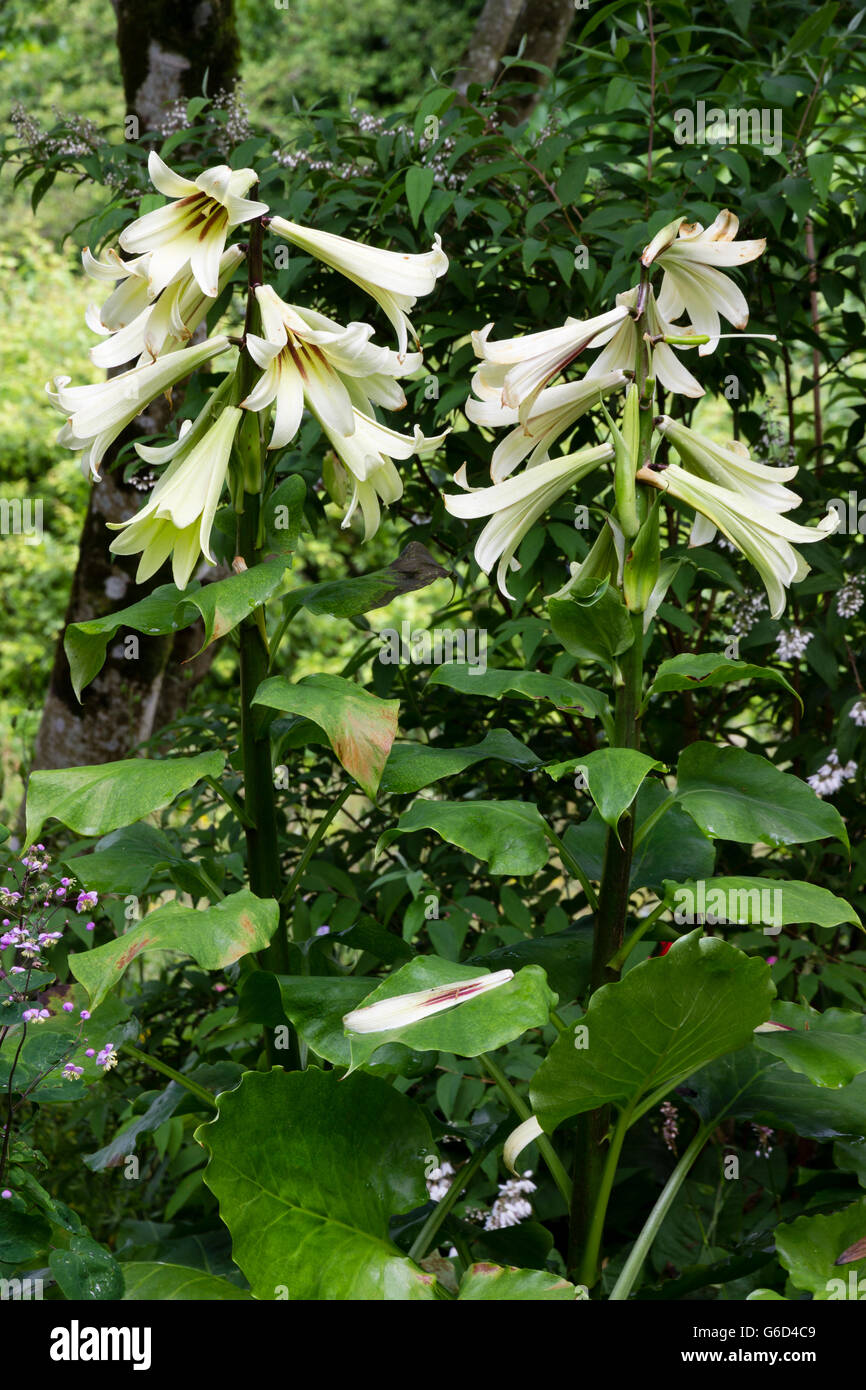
x=489, y=43
x=165, y=50
x=541, y=25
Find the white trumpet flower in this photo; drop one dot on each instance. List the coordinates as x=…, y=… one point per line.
x=178, y=518
x=516, y=504
x=366, y=453
x=730, y=465
x=692, y=257
x=619, y=349
x=192, y=229
x=98, y=413
x=308, y=357
x=762, y=534
x=555, y=410
x=395, y=279
x=130, y=294
x=168, y=323
x=405, y=1009
x=517, y=369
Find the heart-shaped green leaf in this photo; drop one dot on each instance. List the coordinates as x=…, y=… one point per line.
x=411, y=766
x=772, y=902
x=151, y=1281
x=510, y=836
x=699, y=671
x=829, y=1048
x=471, y=1027
x=810, y=1246
x=308, y=1168
x=612, y=777
x=213, y=936
x=359, y=726
x=752, y=1085
x=94, y=800
x=734, y=795
x=531, y=685
x=645, y=1034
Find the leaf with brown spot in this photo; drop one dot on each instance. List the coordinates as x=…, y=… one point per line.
x=213, y=936
x=359, y=726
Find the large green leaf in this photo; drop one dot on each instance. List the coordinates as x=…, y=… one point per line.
x=752, y=1085
x=359, y=726
x=124, y=861
x=673, y=847
x=810, y=1246
x=531, y=685
x=690, y=671
x=510, y=836
x=151, y=1281
x=734, y=795
x=213, y=936
x=86, y=1272
x=316, y=1004
x=413, y=569
x=593, y=627
x=94, y=800
x=308, y=1168
x=613, y=777
x=487, y=1282
x=411, y=766
x=774, y=902
x=643, y=1035
x=829, y=1048
x=469, y=1028
x=221, y=605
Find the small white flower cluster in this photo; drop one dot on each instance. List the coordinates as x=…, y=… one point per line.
x=745, y=610
x=831, y=775
x=77, y=139
x=670, y=1125
x=850, y=598
x=857, y=712
x=511, y=1206
x=791, y=645
x=439, y=1181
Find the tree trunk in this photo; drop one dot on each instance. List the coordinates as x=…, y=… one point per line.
x=541, y=25
x=488, y=44
x=165, y=50
x=544, y=24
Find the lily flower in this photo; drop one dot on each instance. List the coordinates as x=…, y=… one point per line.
x=368, y=475
x=395, y=279
x=517, y=369
x=731, y=466
x=127, y=299
x=192, y=229
x=761, y=533
x=178, y=518
x=555, y=410
x=165, y=325
x=308, y=357
x=405, y=1009
x=515, y=505
x=98, y=413
x=692, y=257
x=619, y=348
